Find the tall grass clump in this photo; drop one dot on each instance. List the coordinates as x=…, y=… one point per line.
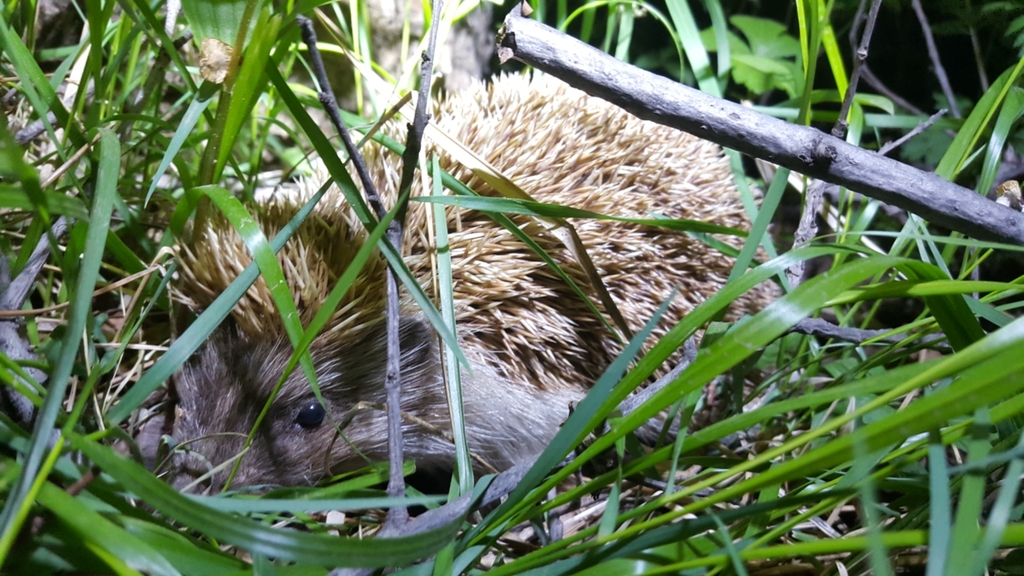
x=894, y=443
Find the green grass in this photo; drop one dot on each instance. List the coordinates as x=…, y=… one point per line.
x=907, y=451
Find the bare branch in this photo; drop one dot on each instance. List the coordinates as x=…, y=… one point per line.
x=799, y=148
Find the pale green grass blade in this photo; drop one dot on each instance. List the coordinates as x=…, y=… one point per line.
x=696, y=54
x=587, y=11
x=835, y=58
x=308, y=505
x=966, y=531
x=1000, y=514
x=186, y=555
x=730, y=547
x=329, y=306
x=625, y=36
x=220, y=19
x=37, y=88
x=721, y=30
x=188, y=123
x=813, y=19
x=463, y=465
x=344, y=182
x=974, y=126
x=17, y=197
x=877, y=553
x=1009, y=113
x=14, y=168
x=759, y=228
x=940, y=507
x=270, y=269
x=540, y=209
x=250, y=83
x=572, y=431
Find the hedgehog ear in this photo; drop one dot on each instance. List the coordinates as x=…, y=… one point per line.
x=415, y=338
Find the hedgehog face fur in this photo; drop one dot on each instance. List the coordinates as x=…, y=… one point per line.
x=533, y=345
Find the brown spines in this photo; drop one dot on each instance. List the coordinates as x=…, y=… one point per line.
x=561, y=147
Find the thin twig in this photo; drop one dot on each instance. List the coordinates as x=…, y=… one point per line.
x=825, y=329
x=807, y=229
x=330, y=105
x=978, y=61
x=858, y=18
x=933, y=53
x=921, y=127
x=632, y=402
x=399, y=515
x=861, y=56
x=894, y=213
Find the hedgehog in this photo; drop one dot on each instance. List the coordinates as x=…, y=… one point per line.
x=532, y=344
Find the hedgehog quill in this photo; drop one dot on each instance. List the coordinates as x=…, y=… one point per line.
x=534, y=347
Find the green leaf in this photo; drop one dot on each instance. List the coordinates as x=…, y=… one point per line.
x=184, y=554
x=18, y=198
x=977, y=122
x=766, y=38
x=760, y=74
x=1009, y=113
x=220, y=19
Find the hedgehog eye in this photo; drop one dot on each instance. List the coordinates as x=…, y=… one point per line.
x=311, y=415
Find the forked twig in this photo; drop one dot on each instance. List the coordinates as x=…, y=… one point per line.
x=861, y=56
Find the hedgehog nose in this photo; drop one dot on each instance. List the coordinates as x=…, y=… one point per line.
x=196, y=475
x=204, y=465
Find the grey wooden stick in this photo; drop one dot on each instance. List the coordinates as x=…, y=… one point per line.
x=805, y=150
